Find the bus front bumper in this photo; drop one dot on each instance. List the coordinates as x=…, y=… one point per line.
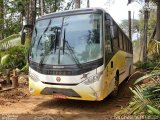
x=77, y=92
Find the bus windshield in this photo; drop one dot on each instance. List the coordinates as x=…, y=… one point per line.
x=75, y=37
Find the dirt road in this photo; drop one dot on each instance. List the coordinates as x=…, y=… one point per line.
x=20, y=102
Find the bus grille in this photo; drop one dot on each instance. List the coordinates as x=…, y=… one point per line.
x=52, y=72
x=67, y=92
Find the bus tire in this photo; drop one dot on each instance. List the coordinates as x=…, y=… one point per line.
x=114, y=93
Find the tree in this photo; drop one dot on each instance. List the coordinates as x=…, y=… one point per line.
x=145, y=28
x=146, y=17
x=13, y=16
x=1, y=19
x=32, y=12
x=70, y=4
x=135, y=26
x=157, y=2
x=77, y=3
x=41, y=6
x=158, y=19
x=88, y=3
x=51, y=6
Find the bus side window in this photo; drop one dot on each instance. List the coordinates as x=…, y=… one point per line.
x=124, y=43
x=108, y=42
x=114, y=35
x=118, y=32
x=129, y=45
x=121, y=40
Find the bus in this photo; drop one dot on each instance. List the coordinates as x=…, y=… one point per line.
x=79, y=54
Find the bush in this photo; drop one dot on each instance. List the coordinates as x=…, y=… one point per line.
x=146, y=99
x=149, y=64
x=17, y=58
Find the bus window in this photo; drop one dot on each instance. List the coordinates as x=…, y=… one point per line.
x=108, y=43
x=129, y=46
x=115, y=36
x=124, y=43
x=120, y=41
x=118, y=37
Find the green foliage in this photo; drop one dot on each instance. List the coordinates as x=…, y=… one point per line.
x=14, y=58
x=135, y=27
x=151, y=21
x=18, y=56
x=53, y=5
x=12, y=53
x=10, y=37
x=6, y=61
x=12, y=22
x=154, y=50
x=153, y=111
x=148, y=65
x=25, y=68
x=146, y=97
x=9, y=42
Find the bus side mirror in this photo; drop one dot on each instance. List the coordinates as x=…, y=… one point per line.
x=23, y=37
x=23, y=34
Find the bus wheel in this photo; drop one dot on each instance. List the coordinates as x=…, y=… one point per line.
x=115, y=91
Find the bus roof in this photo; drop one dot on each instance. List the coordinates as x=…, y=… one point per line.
x=73, y=12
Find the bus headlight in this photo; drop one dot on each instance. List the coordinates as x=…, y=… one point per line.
x=92, y=79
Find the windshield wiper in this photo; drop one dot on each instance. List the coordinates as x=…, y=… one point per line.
x=65, y=42
x=57, y=35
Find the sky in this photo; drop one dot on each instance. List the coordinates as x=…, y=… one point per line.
x=118, y=9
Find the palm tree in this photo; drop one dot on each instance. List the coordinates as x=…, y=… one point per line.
x=146, y=97
x=9, y=42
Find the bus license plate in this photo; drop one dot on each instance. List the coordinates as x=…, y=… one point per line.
x=59, y=96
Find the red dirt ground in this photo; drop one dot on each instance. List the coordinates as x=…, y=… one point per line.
x=20, y=103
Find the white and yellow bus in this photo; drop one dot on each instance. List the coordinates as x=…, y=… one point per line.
x=78, y=54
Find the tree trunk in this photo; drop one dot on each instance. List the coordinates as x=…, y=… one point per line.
x=27, y=12
x=88, y=3
x=129, y=25
x=32, y=18
x=145, y=35
x=158, y=21
x=146, y=17
x=1, y=19
x=77, y=3
x=42, y=7
x=153, y=33
x=32, y=12
x=55, y=5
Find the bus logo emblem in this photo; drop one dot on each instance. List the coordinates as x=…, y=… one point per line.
x=58, y=79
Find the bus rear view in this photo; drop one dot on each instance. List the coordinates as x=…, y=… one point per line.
x=67, y=56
